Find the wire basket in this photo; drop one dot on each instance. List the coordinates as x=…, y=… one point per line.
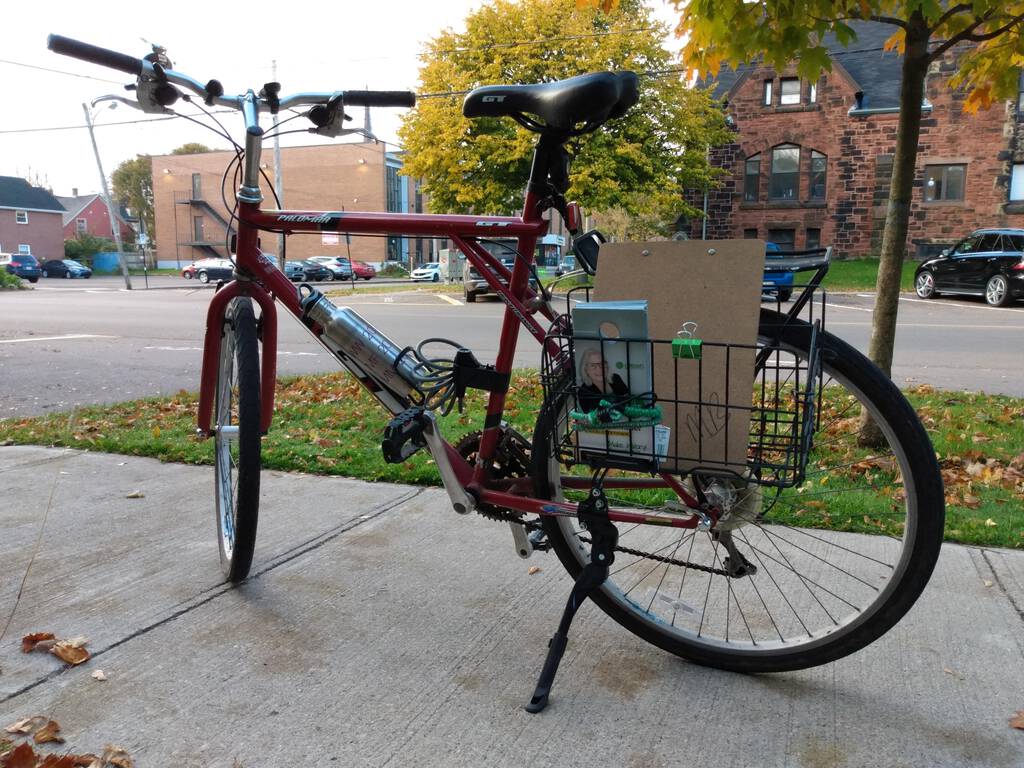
x=759, y=427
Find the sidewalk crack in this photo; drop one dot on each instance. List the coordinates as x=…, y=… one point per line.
x=1002, y=587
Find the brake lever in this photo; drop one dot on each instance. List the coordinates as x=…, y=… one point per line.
x=122, y=100
x=330, y=118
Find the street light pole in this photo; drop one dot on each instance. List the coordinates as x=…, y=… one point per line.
x=114, y=228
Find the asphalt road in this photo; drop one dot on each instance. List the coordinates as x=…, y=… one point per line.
x=68, y=343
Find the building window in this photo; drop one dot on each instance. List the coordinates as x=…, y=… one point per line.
x=785, y=174
x=752, y=178
x=81, y=226
x=767, y=93
x=394, y=189
x=750, y=234
x=944, y=182
x=24, y=248
x=784, y=238
x=812, y=93
x=1017, y=182
x=197, y=186
x=813, y=238
x=21, y=217
x=789, y=90
x=819, y=169
x=197, y=229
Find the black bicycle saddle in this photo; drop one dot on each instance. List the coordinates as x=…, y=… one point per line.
x=562, y=104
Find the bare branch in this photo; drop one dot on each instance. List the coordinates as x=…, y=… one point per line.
x=889, y=20
x=997, y=32
x=953, y=11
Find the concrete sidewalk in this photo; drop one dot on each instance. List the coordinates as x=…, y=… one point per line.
x=379, y=628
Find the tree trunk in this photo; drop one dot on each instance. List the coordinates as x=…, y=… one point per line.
x=897, y=217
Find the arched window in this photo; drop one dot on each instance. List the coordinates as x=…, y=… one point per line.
x=784, y=183
x=752, y=178
x=819, y=170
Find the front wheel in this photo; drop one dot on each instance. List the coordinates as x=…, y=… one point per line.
x=237, y=439
x=203, y=277
x=924, y=285
x=997, y=291
x=839, y=559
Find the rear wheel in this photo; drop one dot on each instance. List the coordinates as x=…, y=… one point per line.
x=203, y=277
x=67, y=274
x=997, y=291
x=237, y=440
x=818, y=594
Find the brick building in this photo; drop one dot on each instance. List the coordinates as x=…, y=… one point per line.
x=192, y=220
x=87, y=215
x=811, y=163
x=30, y=220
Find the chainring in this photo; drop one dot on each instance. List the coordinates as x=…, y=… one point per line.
x=511, y=460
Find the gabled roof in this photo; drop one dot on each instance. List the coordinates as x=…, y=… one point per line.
x=75, y=205
x=18, y=193
x=876, y=72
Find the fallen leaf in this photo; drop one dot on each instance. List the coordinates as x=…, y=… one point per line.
x=156, y=431
x=136, y=495
x=971, y=501
x=1017, y=721
x=22, y=756
x=48, y=733
x=991, y=523
x=953, y=672
x=70, y=654
x=533, y=569
x=63, y=761
x=98, y=675
x=987, y=583
x=77, y=642
x=29, y=642
x=116, y=756
x=27, y=725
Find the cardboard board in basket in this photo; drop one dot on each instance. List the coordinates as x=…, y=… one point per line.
x=706, y=290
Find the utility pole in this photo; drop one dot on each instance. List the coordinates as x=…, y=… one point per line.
x=114, y=228
x=277, y=170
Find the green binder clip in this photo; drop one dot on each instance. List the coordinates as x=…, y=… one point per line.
x=685, y=345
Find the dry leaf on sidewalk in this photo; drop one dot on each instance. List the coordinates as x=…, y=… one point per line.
x=22, y=756
x=69, y=653
x=136, y=495
x=48, y=733
x=30, y=642
x=26, y=725
x=1017, y=721
x=533, y=569
x=98, y=675
x=116, y=756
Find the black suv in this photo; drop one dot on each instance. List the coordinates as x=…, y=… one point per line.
x=988, y=262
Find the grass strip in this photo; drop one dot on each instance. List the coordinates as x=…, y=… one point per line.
x=328, y=425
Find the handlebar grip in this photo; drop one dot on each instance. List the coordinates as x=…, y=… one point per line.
x=380, y=98
x=95, y=54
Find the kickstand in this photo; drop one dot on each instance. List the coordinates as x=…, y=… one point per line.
x=593, y=516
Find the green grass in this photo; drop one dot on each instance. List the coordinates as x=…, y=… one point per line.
x=861, y=274
x=328, y=425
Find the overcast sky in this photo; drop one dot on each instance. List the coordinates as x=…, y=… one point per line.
x=317, y=47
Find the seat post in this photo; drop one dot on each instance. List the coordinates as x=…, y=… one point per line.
x=550, y=165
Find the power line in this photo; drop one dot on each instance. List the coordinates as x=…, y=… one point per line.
x=105, y=124
x=59, y=71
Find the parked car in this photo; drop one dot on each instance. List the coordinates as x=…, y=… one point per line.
x=988, y=262
x=214, y=269
x=339, y=267
x=567, y=264
x=24, y=265
x=776, y=286
x=306, y=271
x=430, y=271
x=473, y=284
x=65, y=268
x=363, y=270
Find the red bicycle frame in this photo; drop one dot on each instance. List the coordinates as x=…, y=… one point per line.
x=260, y=279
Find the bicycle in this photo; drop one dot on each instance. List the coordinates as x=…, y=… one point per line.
x=733, y=568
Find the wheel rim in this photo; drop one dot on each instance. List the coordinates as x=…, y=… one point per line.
x=226, y=443
x=791, y=604
x=925, y=284
x=996, y=290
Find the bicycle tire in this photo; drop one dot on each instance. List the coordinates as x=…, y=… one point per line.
x=909, y=560
x=237, y=441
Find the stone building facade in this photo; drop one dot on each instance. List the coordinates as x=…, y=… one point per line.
x=811, y=163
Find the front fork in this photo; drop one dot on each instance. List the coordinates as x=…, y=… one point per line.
x=215, y=316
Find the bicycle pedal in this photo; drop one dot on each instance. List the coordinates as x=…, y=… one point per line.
x=404, y=435
x=539, y=541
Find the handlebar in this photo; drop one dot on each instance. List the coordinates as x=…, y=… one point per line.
x=95, y=54
x=150, y=72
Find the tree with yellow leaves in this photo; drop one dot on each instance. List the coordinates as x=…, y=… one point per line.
x=986, y=35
